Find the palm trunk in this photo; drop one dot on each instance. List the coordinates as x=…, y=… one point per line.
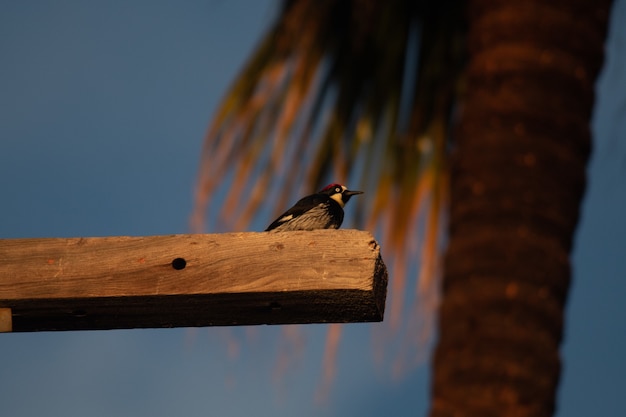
x=518, y=176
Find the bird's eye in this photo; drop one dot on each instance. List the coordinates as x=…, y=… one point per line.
x=337, y=190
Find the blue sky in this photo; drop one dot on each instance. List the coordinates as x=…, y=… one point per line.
x=103, y=108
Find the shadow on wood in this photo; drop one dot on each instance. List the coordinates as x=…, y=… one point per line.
x=122, y=282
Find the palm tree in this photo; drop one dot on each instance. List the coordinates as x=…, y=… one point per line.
x=336, y=91
x=517, y=180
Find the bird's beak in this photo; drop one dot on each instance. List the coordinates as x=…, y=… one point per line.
x=350, y=193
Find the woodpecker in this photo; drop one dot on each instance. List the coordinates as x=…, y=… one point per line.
x=322, y=210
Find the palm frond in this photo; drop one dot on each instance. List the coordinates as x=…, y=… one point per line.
x=332, y=94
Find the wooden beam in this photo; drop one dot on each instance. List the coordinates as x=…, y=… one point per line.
x=191, y=280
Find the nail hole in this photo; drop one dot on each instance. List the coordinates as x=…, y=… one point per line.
x=179, y=263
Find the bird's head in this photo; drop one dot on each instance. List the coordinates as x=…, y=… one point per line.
x=339, y=193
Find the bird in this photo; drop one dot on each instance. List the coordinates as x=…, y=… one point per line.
x=322, y=210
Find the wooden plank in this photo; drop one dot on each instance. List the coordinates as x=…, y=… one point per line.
x=192, y=280
x=6, y=320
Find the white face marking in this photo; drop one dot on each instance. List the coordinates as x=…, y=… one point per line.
x=338, y=197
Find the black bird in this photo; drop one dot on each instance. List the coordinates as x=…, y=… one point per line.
x=323, y=210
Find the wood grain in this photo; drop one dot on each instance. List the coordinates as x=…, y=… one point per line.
x=192, y=280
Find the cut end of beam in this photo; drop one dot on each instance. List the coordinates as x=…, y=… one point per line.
x=6, y=320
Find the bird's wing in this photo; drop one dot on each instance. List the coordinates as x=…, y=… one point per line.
x=302, y=206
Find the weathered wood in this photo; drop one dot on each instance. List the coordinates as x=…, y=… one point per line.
x=6, y=320
x=192, y=280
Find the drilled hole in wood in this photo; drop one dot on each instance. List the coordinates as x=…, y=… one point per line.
x=274, y=306
x=79, y=313
x=179, y=263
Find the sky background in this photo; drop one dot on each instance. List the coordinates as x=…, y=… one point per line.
x=103, y=109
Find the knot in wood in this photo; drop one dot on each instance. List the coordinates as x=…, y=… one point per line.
x=277, y=246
